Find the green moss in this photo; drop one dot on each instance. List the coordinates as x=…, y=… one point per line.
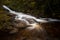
x=4, y=20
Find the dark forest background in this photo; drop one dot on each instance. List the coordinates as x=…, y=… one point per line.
x=38, y=8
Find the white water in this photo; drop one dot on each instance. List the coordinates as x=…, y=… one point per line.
x=23, y=17
x=50, y=19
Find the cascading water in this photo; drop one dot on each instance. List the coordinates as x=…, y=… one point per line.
x=21, y=16
x=24, y=17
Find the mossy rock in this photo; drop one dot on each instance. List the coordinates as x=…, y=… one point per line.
x=5, y=20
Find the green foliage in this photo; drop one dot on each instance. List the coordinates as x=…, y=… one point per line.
x=27, y=6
